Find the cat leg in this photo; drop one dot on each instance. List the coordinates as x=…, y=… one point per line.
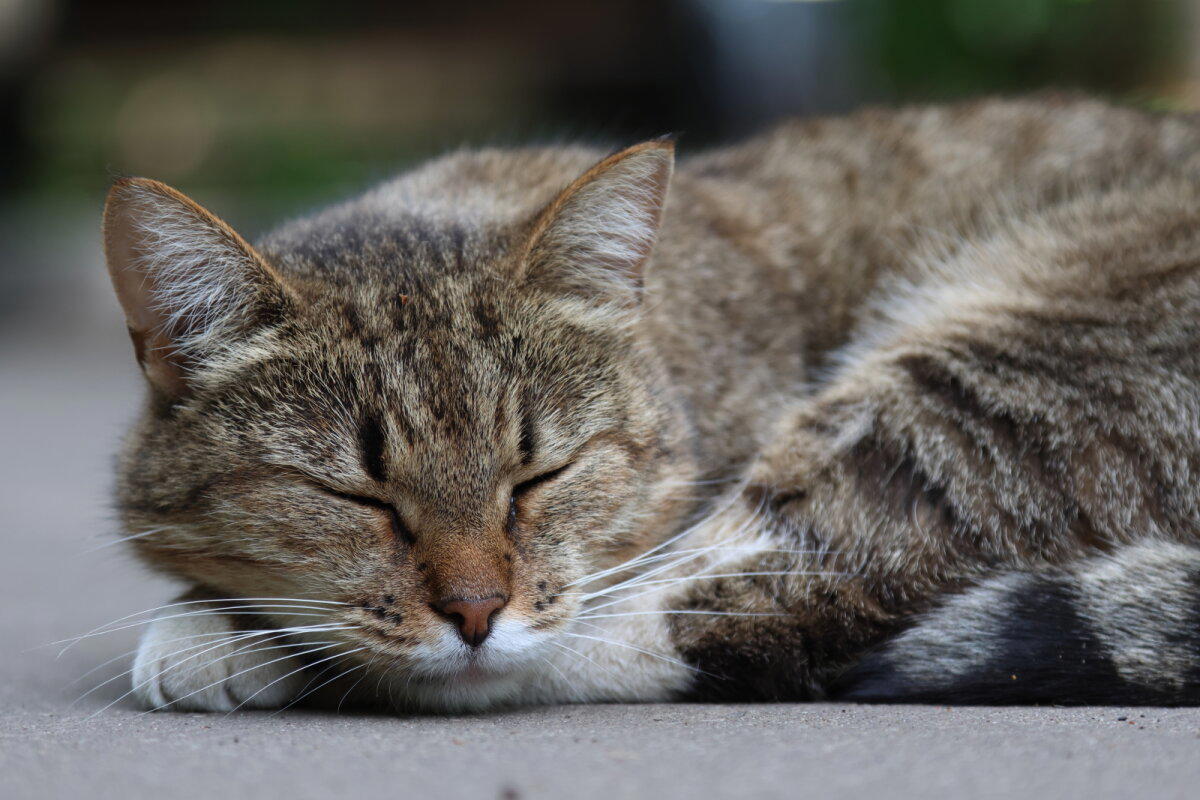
x=193, y=659
x=995, y=429
x=1113, y=628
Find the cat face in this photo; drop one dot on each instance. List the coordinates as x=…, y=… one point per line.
x=437, y=428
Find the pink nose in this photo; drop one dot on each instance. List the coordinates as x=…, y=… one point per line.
x=472, y=616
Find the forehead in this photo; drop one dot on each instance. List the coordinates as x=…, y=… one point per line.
x=412, y=346
x=439, y=388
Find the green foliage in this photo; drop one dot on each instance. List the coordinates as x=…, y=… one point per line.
x=940, y=48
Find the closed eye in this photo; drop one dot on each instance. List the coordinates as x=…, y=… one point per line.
x=525, y=488
x=399, y=529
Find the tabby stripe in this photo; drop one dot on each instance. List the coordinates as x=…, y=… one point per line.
x=372, y=441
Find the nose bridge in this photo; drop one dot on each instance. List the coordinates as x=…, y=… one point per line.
x=468, y=577
x=465, y=564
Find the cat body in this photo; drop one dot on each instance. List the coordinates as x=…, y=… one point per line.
x=901, y=405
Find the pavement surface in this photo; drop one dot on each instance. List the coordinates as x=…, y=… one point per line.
x=68, y=387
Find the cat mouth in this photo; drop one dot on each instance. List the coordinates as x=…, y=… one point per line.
x=511, y=649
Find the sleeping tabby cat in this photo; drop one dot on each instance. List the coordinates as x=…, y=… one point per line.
x=903, y=405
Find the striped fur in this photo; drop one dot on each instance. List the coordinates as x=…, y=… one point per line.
x=1122, y=628
x=903, y=405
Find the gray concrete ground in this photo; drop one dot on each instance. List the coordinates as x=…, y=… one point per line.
x=67, y=386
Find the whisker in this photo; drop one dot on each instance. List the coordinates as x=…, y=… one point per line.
x=209, y=647
x=587, y=658
x=130, y=670
x=193, y=636
x=336, y=677
x=672, y=553
x=114, y=542
x=263, y=637
x=553, y=666
x=687, y=531
x=659, y=585
x=710, y=576
x=353, y=686
x=689, y=611
x=260, y=665
x=628, y=565
x=306, y=691
x=301, y=668
x=246, y=602
x=697, y=553
x=101, y=666
x=231, y=611
x=641, y=650
x=714, y=482
x=371, y=665
x=642, y=576
x=313, y=679
x=247, y=649
x=379, y=684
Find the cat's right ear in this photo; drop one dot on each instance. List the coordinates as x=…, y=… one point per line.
x=594, y=238
x=188, y=283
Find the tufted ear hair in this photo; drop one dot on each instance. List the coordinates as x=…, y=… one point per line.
x=189, y=285
x=594, y=238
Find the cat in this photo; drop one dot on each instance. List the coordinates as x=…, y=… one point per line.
x=902, y=405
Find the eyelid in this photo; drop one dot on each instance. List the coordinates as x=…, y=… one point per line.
x=401, y=530
x=525, y=487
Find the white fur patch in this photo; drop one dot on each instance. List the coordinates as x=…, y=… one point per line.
x=604, y=231
x=1141, y=603
x=959, y=639
x=445, y=674
x=198, y=276
x=194, y=661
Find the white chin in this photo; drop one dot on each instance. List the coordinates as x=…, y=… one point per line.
x=454, y=694
x=450, y=676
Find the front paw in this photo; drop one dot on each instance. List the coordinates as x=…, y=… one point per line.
x=191, y=661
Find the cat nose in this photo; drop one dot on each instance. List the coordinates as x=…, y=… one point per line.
x=472, y=616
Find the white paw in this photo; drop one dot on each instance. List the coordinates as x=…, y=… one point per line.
x=204, y=663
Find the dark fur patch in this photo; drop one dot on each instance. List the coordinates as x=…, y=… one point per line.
x=488, y=320
x=900, y=485
x=938, y=381
x=782, y=656
x=528, y=438
x=1042, y=651
x=373, y=444
x=772, y=669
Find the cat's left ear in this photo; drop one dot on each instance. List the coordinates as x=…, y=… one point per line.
x=190, y=286
x=595, y=237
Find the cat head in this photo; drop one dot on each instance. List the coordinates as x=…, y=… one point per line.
x=430, y=409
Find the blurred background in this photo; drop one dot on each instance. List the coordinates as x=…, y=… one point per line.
x=263, y=109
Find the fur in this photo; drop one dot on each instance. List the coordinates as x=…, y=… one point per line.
x=899, y=405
